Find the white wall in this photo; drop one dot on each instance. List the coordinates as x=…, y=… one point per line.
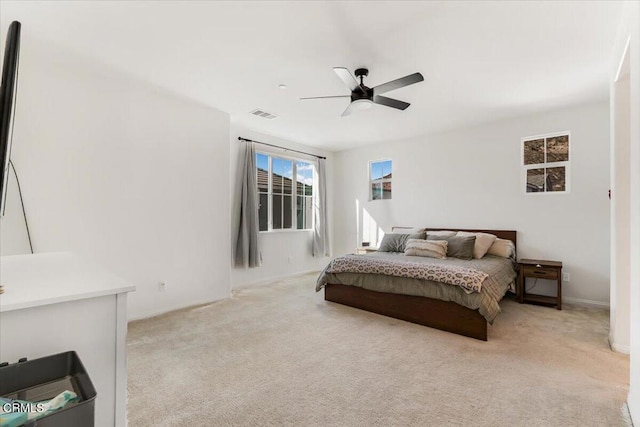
x=630, y=30
x=620, y=208
x=284, y=253
x=122, y=172
x=472, y=179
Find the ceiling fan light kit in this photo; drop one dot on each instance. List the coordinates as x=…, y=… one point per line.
x=363, y=97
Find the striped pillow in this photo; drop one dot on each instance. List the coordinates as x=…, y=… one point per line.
x=427, y=248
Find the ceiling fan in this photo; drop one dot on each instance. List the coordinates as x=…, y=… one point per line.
x=363, y=97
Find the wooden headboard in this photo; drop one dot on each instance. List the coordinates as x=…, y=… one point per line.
x=502, y=234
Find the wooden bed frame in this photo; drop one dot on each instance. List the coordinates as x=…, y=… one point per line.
x=444, y=315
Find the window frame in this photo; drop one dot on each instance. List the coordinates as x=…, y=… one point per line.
x=294, y=191
x=381, y=180
x=545, y=165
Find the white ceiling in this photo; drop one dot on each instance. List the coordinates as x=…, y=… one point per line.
x=482, y=61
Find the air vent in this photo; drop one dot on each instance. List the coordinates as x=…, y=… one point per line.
x=261, y=113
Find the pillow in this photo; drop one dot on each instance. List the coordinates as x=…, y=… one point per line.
x=395, y=242
x=407, y=230
x=458, y=246
x=427, y=248
x=443, y=233
x=483, y=242
x=503, y=248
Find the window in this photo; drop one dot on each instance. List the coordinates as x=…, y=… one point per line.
x=380, y=180
x=545, y=161
x=304, y=194
x=285, y=190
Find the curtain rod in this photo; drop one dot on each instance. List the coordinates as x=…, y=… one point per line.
x=277, y=146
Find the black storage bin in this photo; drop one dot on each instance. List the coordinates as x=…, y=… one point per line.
x=45, y=378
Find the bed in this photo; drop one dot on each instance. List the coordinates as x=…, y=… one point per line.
x=426, y=302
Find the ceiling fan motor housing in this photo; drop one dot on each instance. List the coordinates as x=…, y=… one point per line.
x=366, y=92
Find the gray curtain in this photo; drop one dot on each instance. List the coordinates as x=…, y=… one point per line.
x=320, y=228
x=247, y=253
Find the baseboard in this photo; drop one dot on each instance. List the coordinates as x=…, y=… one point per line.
x=633, y=406
x=624, y=349
x=196, y=303
x=585, y=302
x=160, y=312
x=268, y=280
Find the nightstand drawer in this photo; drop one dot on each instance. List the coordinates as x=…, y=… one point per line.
x=541, y=272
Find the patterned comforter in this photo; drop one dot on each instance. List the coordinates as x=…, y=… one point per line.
x=428, y=277
x=468, y=279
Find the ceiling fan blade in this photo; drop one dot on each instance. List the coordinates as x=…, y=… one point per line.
x=348, y=79
x=323, y=97
x=398, y=83
x=349, y=110
x=390, y=102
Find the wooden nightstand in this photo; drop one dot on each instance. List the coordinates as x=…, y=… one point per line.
x=540, y=269
x=361, y=250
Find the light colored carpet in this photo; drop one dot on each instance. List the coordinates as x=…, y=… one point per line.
x=281, y=355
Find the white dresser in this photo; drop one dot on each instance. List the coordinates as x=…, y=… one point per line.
x=56, y=302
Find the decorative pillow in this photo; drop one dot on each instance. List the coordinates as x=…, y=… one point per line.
x=395, y=242
x=503, y=248
x=482, y=244
x=442, y=233
x=427, y=248
x=458, y=246
x=407, y=230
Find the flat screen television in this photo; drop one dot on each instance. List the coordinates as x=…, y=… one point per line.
x=7, y=105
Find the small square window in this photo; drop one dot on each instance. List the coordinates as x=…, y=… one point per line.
x=380, y=175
